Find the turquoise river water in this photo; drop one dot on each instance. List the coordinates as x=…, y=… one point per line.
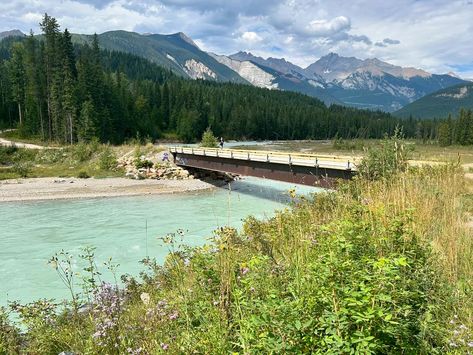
x=124, y=228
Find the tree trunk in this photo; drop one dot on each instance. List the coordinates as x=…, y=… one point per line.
x=70, y=125
x=41, y=121
x=20, y=114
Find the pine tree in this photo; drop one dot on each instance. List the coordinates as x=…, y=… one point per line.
x=50, y=28
x=444, y=134
x=87, y=127
x=17, y=78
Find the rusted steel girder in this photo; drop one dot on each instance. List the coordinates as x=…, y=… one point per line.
x=297, y=174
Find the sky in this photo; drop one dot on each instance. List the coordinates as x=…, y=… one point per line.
x=434, y=35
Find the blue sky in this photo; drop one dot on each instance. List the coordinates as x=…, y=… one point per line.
x=434, y=35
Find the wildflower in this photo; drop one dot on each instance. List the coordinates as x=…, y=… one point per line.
x=244, y=270
x=145, y=298
x=215, y=303
x=452, y=344
x=164, y=346
x=174, y=315
x=462, y=327
x=187, y=262
x=470, y=344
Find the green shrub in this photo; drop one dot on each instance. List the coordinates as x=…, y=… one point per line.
x=51, y=156
x=22, y=168
x=6, y=154
x=82, y=152
x=10, y=338
x=107, y=159
x=83, y=175
x=208, y=139
x=143, y=164
x=385, y=160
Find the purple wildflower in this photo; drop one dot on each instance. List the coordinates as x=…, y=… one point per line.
x=164, y=346
x=174, y=315
x=244, y=270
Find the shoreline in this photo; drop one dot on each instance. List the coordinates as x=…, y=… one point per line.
x=50, y=188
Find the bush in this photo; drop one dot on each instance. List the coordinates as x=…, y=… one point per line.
x=6, y=154
x=83, y=175
x=208, y=139
x=82, y=152
x=143, y=164
x=385, y=160
x=22, y=168
x=107, y=159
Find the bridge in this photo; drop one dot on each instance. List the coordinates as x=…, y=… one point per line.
x=297, y=168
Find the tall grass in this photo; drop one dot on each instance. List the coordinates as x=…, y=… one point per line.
x=380, y=266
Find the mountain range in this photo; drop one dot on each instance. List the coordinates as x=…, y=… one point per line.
x=369, y=83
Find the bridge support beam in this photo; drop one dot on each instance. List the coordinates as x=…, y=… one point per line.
x=297, y=174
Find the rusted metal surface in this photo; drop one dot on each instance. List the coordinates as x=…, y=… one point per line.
x=297, y=174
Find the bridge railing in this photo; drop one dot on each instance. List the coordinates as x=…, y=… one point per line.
x=302, y=159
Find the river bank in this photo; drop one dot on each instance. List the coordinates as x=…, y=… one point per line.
x=34, y=189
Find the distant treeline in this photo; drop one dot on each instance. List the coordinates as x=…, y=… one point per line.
x=61, y=92
x=457, y=131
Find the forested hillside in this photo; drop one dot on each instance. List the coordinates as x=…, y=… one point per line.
x=61, y=92
x=441, y=103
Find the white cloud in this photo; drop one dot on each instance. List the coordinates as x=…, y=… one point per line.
x=320, y=28
x=432, y=34
x=251, y=37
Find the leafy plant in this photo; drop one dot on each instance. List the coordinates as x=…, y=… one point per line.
x=82, y=152
x=107, y=159
x=143, y=164
x=22, y=168
x=208, y=139
x=83, y=175
x=385, y=160
x=6, y=154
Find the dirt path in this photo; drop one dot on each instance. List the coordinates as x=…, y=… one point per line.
x=8, y=143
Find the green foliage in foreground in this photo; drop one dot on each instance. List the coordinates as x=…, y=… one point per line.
x=386, y=159
x=345, y=272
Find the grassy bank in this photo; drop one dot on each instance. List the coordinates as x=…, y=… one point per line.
x=420, y=150
x=376, y=267
x=82, y=160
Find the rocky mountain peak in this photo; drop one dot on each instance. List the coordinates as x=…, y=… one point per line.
x=186, y=38
x=11, y=33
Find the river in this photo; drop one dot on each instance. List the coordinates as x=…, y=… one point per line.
x=124, y=228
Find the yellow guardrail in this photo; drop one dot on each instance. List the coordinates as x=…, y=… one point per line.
x=296, y=158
